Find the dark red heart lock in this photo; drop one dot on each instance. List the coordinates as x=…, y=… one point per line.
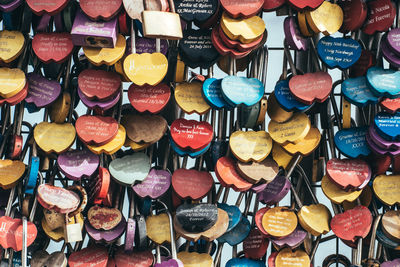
x=224, y=49
x=50, y=7
x=353, y=244
x=237, y=45
x=176, y=200
x=225, y=170
x=99, y=84
x=100, y=9
x=390, y=105
x=104, y=218
x=255, y=245
x=354, y=14
x=379, y=163
x=380, y=16
x=149, y=98
x=52, y=47
x=97, y=187
x=271, y=5
x=244, y=8
x=97, y=130
x=11, y=233
x=352, y=224
x=134, y=259
x=191, y=134
x=192, y=184
x=396, y=164
x=311, y=87
x=309, y=4
x=366, y=60
x=349, y=174
x=258, y=219
x=124, y=23
x=90, y=256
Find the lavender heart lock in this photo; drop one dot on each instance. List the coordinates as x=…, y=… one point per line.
x=292, y=241
x=42, y=92
x=293, y=36
x=77, y=164
x=169, y=263
x=154, y=185
x=393, y=41
x=106, y=236
x=392, y=263
x=381, y=142
x=275, y=191
x=146, y=45
x=103, y=105
x=389, y=53
x=12, y=5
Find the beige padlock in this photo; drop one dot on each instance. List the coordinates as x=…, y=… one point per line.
x=162, y=25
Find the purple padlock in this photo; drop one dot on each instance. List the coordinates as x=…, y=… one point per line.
x=106, y=236
x=378, y=150
x=10, y=6
x=155, y=185
x=393, y=263
x=381, y=142
x=42, y=23
x=257, y=188
x=275, y=191
x=101, y=34
x=291, y=241
x=388, y=53
x=93, y=104
x=146, y=45
x=77, y=164
x=42, y=92
x=58, y=22
x=293, y=36
x=393, y=40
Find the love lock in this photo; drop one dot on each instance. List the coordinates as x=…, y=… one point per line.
x=183, y=113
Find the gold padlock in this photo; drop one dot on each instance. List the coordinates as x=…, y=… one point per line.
x=160, y=24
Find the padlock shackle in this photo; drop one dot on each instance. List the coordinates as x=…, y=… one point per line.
x=158, y=254
x=336, y=258
x=35, y=201
x=24, y=58
x=6, y=121
x=24, y=252
x=133, y=37
x=315, y=247
x=200, y=161
x=371, y=249
x=303, y=174
x=3, y=143
x=172, y=6
x=171, y=229
x=289, y=57
x=315, y=55
x=334, y=104
x=20, y=117
x=166, y=156
x=264, y=70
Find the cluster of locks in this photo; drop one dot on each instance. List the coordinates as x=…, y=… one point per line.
x=135, y=155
